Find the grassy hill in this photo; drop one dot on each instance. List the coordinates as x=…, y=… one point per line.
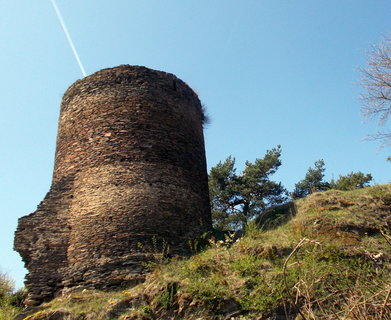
x=325, y=257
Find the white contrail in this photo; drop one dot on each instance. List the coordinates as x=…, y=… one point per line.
x=64, y=27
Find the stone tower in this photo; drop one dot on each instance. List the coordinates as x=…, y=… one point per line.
x=129, y=178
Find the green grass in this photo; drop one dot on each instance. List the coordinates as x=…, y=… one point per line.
x=329, y=261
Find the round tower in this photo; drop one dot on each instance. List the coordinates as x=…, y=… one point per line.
x=130, y=164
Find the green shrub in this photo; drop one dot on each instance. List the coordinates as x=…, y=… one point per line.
x=353, y=180
x=10, y=303
x=312, y=182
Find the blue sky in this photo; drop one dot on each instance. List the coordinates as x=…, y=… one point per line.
x=269, y=72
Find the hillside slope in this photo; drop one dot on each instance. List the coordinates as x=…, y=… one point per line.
x=330, y=259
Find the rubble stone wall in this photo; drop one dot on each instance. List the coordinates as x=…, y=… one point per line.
x=129, y=178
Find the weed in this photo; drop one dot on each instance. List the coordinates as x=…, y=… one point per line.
x=168, y=295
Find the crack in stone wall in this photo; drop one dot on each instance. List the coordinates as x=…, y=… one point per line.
x=130, y=174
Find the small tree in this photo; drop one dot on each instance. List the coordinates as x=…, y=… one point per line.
x=312, y=182
x=237, y=199
x=353, y=180
x=6, y=288
x=377, y=84
x=10, y=302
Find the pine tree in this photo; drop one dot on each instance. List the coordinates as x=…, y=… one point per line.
x=237, y=199
x=312, y=182
x=353, y=180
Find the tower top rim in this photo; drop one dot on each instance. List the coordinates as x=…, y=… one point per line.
x=123, y=74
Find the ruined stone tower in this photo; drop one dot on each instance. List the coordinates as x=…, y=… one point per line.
x=129, y=177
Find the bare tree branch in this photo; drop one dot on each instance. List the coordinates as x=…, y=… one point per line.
x=376, y=81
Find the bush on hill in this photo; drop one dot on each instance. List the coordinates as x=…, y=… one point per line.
x=314, y=181
x=353, y=180
x=10, y=302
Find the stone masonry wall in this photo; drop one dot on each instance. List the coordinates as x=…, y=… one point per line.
x=130, y=176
